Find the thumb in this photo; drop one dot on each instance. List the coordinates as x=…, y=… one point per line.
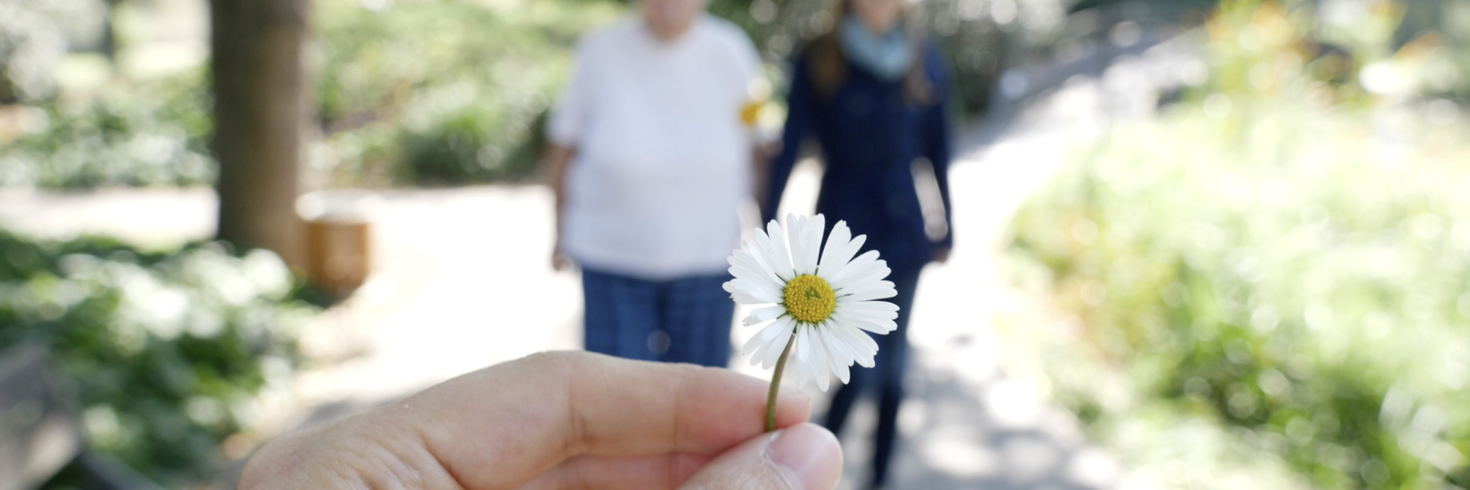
x=800, y=457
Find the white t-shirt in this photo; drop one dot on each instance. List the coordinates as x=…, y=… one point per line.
x=662, y=163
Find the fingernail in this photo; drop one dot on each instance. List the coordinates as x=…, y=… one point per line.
x=809, y=455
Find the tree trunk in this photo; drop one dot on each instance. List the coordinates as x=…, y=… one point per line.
x=109, y=33
x=260, y=109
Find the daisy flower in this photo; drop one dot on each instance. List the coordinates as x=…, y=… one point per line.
x=819, y=304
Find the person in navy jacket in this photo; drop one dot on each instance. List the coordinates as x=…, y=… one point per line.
x=872, y=93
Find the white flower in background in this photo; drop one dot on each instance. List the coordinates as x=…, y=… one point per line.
x=819, y=305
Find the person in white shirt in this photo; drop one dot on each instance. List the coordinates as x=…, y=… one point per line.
x=651, y=163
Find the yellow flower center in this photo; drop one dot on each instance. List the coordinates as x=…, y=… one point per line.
x=810, y=299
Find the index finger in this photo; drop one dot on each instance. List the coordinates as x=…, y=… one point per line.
x=502, y=426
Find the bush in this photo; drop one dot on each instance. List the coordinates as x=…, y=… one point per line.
x=130, y=134
x=451, y=91
x=166, y=350
x=1275, y=279
x=419, y=92
x=1304, y=291
x=459, y=106
x=33, y=36
x=461, y=148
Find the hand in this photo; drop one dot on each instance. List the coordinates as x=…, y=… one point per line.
x=941, y=254
x=565, y=420
x=559, y=261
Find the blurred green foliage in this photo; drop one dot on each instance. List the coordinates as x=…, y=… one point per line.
x=425, y=92
x=1442, y=30
x=166, y=350
x=34, y=34
x=443, y=91
x=435, y=92
x=152, y=133
x=1271, y=281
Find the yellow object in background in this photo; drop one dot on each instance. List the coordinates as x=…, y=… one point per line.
x=751, y=113
x=760, y=93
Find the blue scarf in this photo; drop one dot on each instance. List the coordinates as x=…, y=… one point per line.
x=887, y=56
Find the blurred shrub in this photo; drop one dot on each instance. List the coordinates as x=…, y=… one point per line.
x=462, y=85
x=1271, y=281
x=129, y=134
x=1407, y=47
x=166, y=350
x=417, y=92
x=461, y=147
x=33, y=36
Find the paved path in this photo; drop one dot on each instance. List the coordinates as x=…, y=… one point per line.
x=463, y=281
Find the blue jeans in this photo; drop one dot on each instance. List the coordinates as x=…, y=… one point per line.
x=887, y=376
x=678, y=320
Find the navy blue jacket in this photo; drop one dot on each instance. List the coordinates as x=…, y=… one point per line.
x=870, y=135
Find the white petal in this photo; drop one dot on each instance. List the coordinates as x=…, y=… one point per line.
x=839, y=353
x=837, y=242
x=880, y=327
x=856, y=277
x=873, y=294
x=742, y=296
x=770, y=332
x=756, y=345
x=862, y=338
x=756, y=289
x=855, y=288
x=759, y=353
x=751, y=321
x=837, y=358
x=779, y=254
x=869, y=291
x=835, y=269
x=751, y=248
x=764, y=252
x=862, y=346
x=803, y=343
x=778, y=345
x=811, y=243
x=876, y=322
x=762, y=315
x=797, y=375
x=757, y=246
x=820, y=375
x=835, y=343
x=754, y=275
x=859, y=266
x=818, y=229
x=819, y=363
x=744, y=258
x=745, y=264
x=795, y=225
x=845, y=306
x=793, y=379
x=809, y=376
x=797, y=232
x=745, y=298
x=879, y=322
x=766, y=339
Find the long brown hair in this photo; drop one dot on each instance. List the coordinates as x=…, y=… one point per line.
x=828, y=64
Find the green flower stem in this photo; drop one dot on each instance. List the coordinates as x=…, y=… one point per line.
x=776, y=385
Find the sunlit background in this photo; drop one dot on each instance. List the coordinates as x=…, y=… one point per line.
x=1199, y=244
